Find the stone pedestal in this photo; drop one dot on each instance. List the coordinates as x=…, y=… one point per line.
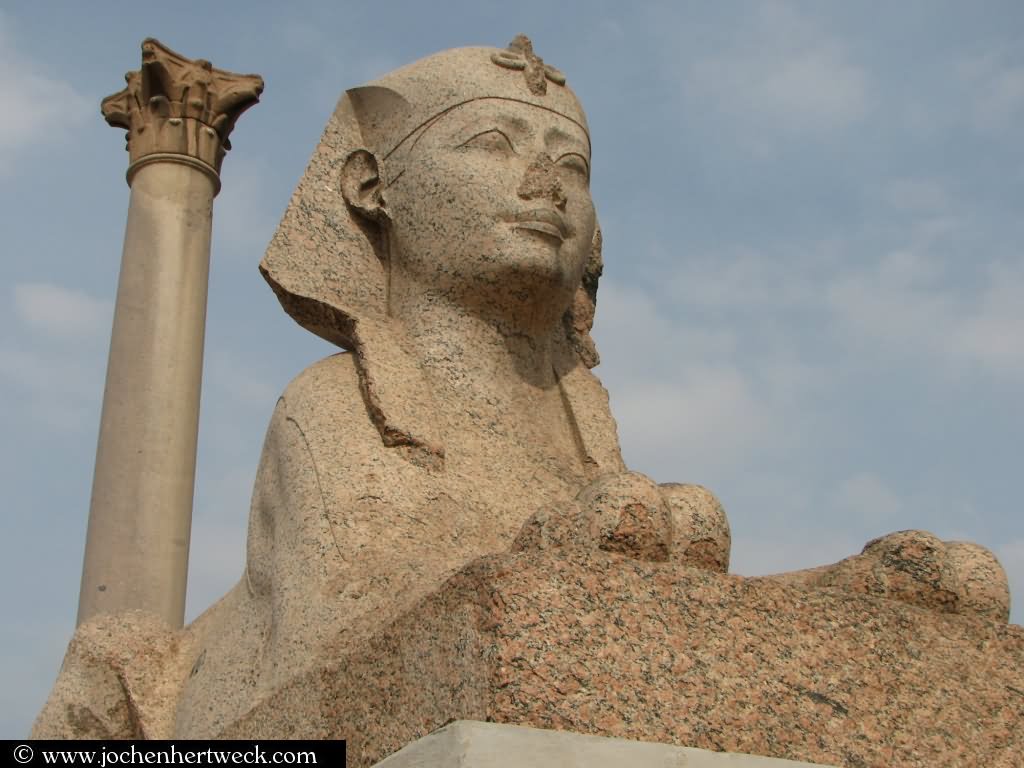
x=468, y=744
x=178, y=113
x=600, y=644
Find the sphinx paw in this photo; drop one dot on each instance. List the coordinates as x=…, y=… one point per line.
x=702, y=538
x=623, y=513
x=983, y=586
x=629, y=514
x=552, y=528
x=917, y=567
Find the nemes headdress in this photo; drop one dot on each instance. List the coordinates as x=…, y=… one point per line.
x=322, y=263
x=393, y=109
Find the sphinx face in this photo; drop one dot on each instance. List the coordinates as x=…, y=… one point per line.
x=492, y=207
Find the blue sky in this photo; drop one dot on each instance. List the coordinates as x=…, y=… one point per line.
x=813, y=299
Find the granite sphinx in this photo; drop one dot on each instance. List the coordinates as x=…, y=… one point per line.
x=446, y=499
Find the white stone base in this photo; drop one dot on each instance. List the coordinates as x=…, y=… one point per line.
x=471, y=744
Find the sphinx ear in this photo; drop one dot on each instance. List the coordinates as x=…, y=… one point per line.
x=362, y=185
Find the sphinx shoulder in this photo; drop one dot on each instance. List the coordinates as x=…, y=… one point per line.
x=327, y=407
x=326, y=396
x=315, y=455
x=322, y=416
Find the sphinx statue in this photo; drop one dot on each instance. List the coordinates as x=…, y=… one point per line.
x=444, y=236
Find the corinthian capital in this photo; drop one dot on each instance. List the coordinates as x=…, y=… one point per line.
x=179, y=106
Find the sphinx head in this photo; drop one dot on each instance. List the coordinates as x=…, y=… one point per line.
x=465, y=173
x=474, y=175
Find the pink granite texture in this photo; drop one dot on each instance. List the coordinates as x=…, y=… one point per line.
x=600, y=643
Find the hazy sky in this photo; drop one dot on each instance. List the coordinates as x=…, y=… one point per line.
x=813, y=300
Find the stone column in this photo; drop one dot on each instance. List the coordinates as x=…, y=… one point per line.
x=178, y=113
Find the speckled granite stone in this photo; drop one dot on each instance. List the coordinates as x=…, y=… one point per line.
x=601, y=644
x=918, y=568
x=120, y=680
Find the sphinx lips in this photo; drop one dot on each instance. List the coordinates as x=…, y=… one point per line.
x=542, y=220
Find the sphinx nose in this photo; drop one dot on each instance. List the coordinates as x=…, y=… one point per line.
x=541, y=180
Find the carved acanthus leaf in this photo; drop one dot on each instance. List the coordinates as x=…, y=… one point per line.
x=181, y=106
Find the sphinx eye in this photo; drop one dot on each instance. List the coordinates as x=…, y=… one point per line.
x=492, y=139
x=575, y=162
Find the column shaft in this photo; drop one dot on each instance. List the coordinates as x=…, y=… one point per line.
x=140, y=516
x=178, y=113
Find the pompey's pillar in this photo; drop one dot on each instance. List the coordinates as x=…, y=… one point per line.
x=178, y=113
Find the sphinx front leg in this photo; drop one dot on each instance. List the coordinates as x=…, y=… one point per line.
x=917, y=567
x=629, y=514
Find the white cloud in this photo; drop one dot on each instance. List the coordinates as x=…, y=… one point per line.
x=632, y=321
x=710, y=418
x=684, y=405
x=61, y=313
x=52, y=360
x=916, y=195
x=866, y=498
x=907, y=302
x=996, y=84
x=993, y=334
x=744, y=279
x=34, y=108
x=795, y=548
x=244, y=384
x=243, y=218
x=61, y=390
x=783, y=76
x=217, y=548
x=895, y=304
